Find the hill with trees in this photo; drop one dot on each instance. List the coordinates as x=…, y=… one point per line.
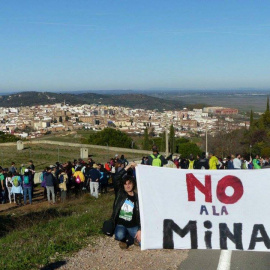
x=126, y=100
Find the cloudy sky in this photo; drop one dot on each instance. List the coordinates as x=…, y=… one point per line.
x=70, y=45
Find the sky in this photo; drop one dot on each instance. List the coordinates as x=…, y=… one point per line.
x=70, y=45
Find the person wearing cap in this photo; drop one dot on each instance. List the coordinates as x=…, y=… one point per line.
x=156, y=159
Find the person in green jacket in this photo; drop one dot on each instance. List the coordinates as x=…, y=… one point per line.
x=256, y=162
x=213, y=162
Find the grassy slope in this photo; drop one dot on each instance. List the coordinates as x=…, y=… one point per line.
x=37, y=238
x=44, y=155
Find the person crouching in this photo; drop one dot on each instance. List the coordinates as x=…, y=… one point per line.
x=126, y=215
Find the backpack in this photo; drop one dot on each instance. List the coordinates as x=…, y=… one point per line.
x=61, y=179
x=9, y=183
x=16, y=182
x=41, y=177
x=191, y=164
x=156, y=161
x=26, y=179
x=22, y=170
x=78, y=179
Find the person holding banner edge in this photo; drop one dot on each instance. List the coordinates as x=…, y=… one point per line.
x=126, y=214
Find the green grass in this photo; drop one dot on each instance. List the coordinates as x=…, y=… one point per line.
x=43, y=155
x=35, y=239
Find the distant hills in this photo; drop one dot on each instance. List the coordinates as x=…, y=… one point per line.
x=132, y=100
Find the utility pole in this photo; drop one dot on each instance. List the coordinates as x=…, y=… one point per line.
x=206, y=142
x=167, y=137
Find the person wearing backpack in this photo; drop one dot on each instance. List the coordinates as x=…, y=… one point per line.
x=17, y=188
x=27, y=186
x=2, y=187
x=79, y=179
x=63, y=184
x=9, y=186
x=43, y=183
x=103, y=179
x=156, y=159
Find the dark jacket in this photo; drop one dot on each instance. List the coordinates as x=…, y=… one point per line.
x=94, y=174
x=120, y=199
x=49, y=179
x=202, y=163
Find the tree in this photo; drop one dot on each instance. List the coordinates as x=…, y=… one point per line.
x=189, y=148
x=7, y=137
x=172, y=139
x=146, y=142
x=251, y=119
x=110, y=137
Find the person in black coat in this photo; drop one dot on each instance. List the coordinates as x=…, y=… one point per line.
x=126, y=214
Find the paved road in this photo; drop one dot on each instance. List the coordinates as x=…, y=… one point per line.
x=240, y=260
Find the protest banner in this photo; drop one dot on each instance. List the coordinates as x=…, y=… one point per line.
x=204, y=209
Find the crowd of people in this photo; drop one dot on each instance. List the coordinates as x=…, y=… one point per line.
x=228, y=163
x=60, y=181
x=17, y=182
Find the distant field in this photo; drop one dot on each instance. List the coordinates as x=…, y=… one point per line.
x=242, y=100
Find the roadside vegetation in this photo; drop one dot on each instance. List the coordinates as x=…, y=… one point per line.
x=35, y=238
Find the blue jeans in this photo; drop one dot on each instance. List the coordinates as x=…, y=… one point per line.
x=123, y=233
x=3, y=196
x=29, y=191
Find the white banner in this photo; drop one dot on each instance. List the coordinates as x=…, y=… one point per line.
x=204, y=209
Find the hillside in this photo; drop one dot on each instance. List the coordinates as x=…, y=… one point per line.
x=126, y=100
